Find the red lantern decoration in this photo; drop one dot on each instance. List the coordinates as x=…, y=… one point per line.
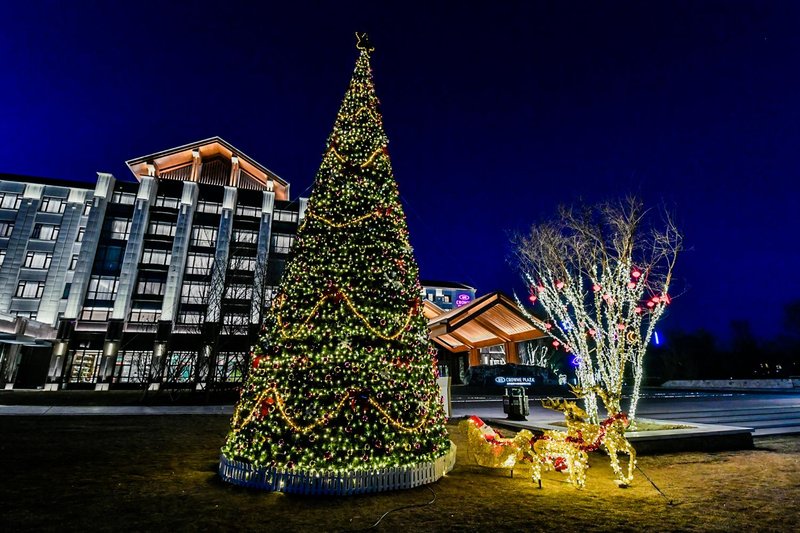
x=651, y=304
x=596, y=287
x=556, y=344
x=638, y=310
x=636, y=274
x=631, y=284
x=532, y=298
x=666, y=299
x=559, y=284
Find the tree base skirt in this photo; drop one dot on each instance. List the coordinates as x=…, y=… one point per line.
x=336, y=483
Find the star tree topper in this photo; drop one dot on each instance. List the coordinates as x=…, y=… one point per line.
x=364, y=43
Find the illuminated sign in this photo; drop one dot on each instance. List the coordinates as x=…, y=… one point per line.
x=519, y=381
x=463, y=299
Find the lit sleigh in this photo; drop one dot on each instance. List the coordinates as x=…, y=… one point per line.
x=490, y=450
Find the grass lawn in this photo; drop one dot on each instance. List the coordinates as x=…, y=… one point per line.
x=158, y=473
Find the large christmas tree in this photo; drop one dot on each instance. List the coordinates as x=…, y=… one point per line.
x=343, y=384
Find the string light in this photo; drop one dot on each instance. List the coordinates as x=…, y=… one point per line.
x=568, y=450
x=344, y=378
x=610, y=286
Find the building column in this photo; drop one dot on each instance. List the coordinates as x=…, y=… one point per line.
x=474, y=357
x=94, y=225
x=71, y=222
x=180, y=251
x=262, y=260
x=133, y=251
x=18, y=243
x=512, y=356
x=108, y=359
x=217, y=289
x=9, y=363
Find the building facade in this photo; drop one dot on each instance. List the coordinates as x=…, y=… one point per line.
x=159, y=281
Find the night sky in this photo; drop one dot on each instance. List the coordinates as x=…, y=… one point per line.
x=496, y=114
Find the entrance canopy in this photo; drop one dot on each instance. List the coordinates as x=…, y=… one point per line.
x=488, y=321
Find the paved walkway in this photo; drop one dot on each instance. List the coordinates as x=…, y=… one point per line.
x=766, y=415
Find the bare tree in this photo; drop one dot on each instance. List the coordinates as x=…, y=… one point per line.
x=603, y=276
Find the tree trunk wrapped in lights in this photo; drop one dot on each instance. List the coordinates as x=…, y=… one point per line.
x=603, y=278
x=344, y=380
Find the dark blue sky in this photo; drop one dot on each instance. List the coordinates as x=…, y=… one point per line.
x=496, y=114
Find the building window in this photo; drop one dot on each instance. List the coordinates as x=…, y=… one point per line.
x=282, y=243
x=119, y=228
x=429, y=296
x=40, y=260
x=231, y=366
x=102, y=288
x=285, y=216
x=148, y=316
x=239, y=292
x=152, y=256
x=269, y=294
x=87, y=208
x=133, y=366
x=67, y=288
x=84, y=366
x=10, y=201
x=96, y=314
x=45, y=232
x=165, y=201
x=2, y=257
x=52, y=205
x=240, y=262
x=235, y=324
x=109, y=258
x=150, y=287
x=204, y=236
x=447, y=299
x=199, y=264
x=209, y=207
x=124, y=198
x=248, y=211
x=194, y=292
x=162, y=228
x=73, y=263
x=30, y=289
x=191, y=317
x=5, y=229
x=81, y=233
x=245, y=236
x=179, y=367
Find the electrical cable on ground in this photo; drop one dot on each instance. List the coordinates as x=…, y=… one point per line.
x=669, y=501
x=373, y=526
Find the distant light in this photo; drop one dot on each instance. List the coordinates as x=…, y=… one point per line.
x=656, y=339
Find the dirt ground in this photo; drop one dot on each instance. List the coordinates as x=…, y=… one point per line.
x=158, y=473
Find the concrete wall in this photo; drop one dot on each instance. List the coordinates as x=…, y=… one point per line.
x=732, y=384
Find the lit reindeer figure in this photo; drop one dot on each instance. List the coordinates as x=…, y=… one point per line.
x=568, y=450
